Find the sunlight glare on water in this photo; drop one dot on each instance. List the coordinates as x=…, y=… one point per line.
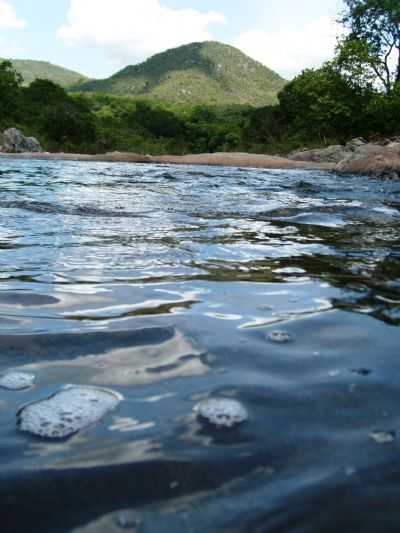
x=275, y=293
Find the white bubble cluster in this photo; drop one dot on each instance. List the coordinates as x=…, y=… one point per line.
x=16, y=381
x=279, y=336
x=67, y=412
x=222, y=412
x=383, y=437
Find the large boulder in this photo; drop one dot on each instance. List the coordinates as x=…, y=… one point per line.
x=358, y=156
x=376, y=160
x=356, y=152
x=13, y=141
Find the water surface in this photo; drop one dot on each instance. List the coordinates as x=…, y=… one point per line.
x=164, y=283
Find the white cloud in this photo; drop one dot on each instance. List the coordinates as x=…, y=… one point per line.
x=289, y=50
x=131, y=30
x=8, y=16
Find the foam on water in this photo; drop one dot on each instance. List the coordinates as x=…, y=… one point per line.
x=279, y=336
x=16, y=381
x=383, y=437
x=222, y=412
x=67, y=412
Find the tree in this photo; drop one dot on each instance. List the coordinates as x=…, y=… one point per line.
x=10, y=84
x=45, y=92
x=156, y=120
x=371, y=50
x=320, y=105
x=69, y=122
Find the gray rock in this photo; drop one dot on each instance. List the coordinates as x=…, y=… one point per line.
x=32, y=145
x=331, y=154
x=359, y=157
x=13, y=141
x=355, y=144
x=363, y=151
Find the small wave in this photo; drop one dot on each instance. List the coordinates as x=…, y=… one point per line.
x=56, y=209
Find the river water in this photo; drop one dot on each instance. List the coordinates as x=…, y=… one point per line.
x=164, y=284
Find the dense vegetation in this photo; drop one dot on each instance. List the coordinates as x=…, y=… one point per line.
x=355, y=94
x=99, y=122
x=198, y=73
x=37, y=70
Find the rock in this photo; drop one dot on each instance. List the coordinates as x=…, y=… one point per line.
x=32, y=145
x=382, y=166
x=354, y=144
x=381, y=159
x=363, y=151
x=13, y=141
x=331, y=154
x=374, y=160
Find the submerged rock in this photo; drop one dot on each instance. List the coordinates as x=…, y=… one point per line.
x=16, y=381
x=14, y=142
x=222, y=412
x=67, y=412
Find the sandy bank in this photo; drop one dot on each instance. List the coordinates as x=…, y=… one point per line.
x=384, y=163
x=221, y=159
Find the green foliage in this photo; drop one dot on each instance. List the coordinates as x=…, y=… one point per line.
x=322, y=107
x=145, y=126
x=321, y=104
x=207, y=73
x=10, y=82
x=155, y=120
x=44, y=92
x=383, y=112
x=372, y=48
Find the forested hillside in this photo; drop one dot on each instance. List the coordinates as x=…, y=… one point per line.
x=32, y=70
x=198, y=73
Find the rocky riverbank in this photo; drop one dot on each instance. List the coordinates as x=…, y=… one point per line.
x=380, y=159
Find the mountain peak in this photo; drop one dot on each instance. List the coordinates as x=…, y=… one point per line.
x=31, y=70
x=206, y=72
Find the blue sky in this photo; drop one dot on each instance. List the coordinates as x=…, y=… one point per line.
x=98, y=37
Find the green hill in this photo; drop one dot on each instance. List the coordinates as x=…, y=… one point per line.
x=208, y=73
x=31, y=70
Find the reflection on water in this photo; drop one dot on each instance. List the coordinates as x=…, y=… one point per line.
x=172, y=285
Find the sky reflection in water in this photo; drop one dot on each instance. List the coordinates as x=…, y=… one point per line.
x=165, y=283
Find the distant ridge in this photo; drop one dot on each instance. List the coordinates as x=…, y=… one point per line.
x=208, y=73
x=31, y=70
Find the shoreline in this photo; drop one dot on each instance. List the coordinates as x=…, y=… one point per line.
x=382, y=162
x=228, y=159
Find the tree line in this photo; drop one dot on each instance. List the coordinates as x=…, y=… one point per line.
x=357, y=93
